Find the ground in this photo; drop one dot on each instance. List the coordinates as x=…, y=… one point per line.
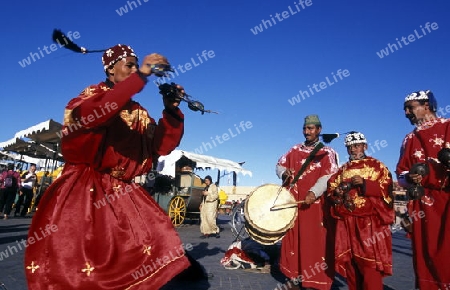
x=206, y=251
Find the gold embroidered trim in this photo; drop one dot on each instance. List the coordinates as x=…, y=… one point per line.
x=135, y=116
x=68, y=117
x=359, y=201
x=147, y=250
x=88, y=92
x=137, y=283
x=372, y=260
x=343, y=253
x=33, y=267
x=117, y=173
x=88, y=269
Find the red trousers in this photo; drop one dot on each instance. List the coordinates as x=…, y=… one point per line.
x=361, y=277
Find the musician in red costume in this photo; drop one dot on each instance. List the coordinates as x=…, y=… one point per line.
x=361, y=192
x=95, y=228
x=306, y=255
x=430, y=213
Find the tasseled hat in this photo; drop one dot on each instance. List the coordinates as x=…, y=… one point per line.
x=354, y=137
x=423, y=96
x=116, y=53
x=312, y=120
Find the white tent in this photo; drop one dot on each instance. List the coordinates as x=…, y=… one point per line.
x=37, y=144
x=166, y=164
x=45, y=132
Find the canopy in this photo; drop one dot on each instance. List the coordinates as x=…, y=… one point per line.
x=45, y=132
x=166, y=164
x=43, y=141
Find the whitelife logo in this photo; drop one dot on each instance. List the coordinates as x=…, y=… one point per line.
x=284, y=15
x=411, y=38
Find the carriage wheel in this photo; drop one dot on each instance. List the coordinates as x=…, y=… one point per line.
x=177, y=210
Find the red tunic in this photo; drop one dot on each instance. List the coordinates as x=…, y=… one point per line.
x=97, y=229
x=305, y=253
x=363, y=234
x=431, y=235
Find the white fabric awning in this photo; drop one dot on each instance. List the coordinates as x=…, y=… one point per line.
x=166, y=164
x=8, y=142
x=45, y=132
x=39, y=141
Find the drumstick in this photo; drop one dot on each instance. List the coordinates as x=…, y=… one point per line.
x=287, y=205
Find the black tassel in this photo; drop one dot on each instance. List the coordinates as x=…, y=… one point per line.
x=60, y=38
x=327, y=138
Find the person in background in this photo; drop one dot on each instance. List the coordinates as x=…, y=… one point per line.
x=44, y=183
x=428, y=190
x=361, y=192
x=305, y=170
x=208, y=210
x=10, y=183
x=2, y=201
x=26, y=192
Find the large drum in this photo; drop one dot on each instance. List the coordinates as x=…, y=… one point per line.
x=264, y=223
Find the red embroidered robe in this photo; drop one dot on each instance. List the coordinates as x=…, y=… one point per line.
x=306, y=254
x=363, y=233
x=97, y=229
x=430, y=222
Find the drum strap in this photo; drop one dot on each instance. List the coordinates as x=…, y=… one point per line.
x=307, y=161
x=302, y=169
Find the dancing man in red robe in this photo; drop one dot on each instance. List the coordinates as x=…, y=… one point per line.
x=95, y=228
x=306, y=255
x=361, y=192
x=430, y=211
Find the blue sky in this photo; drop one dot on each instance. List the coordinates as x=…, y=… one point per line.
x=254, y=77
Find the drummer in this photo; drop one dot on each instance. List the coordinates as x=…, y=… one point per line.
x=304, y=253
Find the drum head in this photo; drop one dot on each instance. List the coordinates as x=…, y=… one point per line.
x=258, y=211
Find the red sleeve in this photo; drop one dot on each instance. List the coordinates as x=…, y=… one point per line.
x=169, y=132
x=98, y=104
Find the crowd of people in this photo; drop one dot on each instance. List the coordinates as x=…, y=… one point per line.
x=345, y=213
x=18, y=190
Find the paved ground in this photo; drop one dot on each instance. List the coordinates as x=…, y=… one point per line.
x=208, y=252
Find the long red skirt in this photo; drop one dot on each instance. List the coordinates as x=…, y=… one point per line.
x=92, y=231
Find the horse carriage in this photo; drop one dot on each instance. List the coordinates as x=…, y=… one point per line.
x=178, y=189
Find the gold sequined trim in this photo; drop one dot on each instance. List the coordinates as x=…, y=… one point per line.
x=88, y=269
x=88, y=92
x=359, y=201
x=146, y=278
x=33, y=267
x=147, y=250
x=137, y=115
x=117, y=173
